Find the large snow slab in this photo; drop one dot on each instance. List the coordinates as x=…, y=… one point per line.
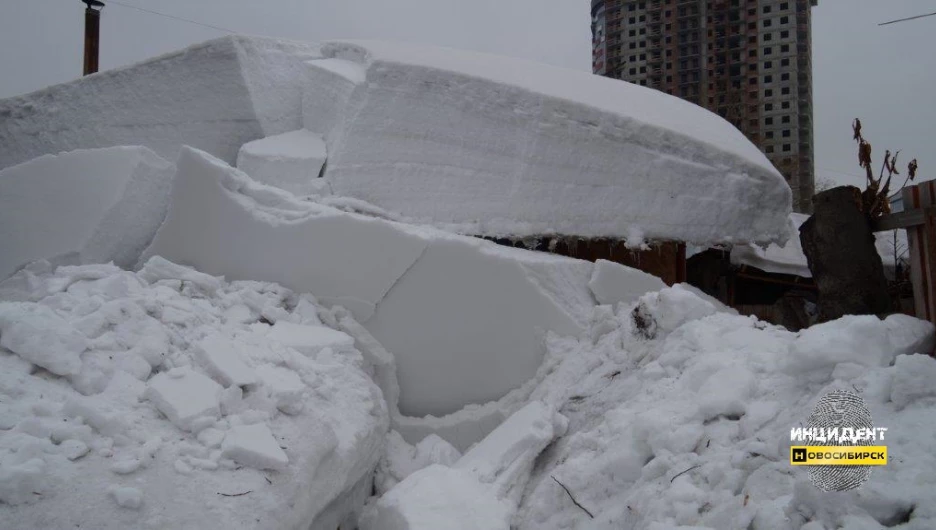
x=789, y=258
x=116, y=445
x=399, y=280
x=215, y=96
x=292, y=161
x=613, y=283
x=497, y=146
x=88, y=206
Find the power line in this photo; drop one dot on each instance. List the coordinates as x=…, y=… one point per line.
x=173, y=17
x=905, y=19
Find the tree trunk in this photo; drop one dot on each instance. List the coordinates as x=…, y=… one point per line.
x=839, y=247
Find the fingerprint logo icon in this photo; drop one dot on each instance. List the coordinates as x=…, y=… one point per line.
x=837, y=410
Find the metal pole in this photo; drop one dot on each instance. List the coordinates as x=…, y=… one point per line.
x=92, y=35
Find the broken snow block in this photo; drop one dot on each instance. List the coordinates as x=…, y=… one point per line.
x=913, y=377
x=613, y=283
x=190, y=400
x=254, y=446
x=38, y=335
x=291, y=161
x=91, y=206
x=513, y=445
x=224, y=223
x=309, y=340
x=222, y=361
x=398, y=280
x=284, y=386
x=439, y=497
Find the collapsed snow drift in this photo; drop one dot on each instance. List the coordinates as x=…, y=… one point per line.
x=399, y=280
x=89, y=206
x=480, y=144
x=496, y=146
x=165, y=399
x=215, y=96
x=292, y=161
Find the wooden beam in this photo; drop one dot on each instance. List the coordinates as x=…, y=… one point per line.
x=904, y=219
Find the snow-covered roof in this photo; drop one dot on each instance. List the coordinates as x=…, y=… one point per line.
x=789, y=258
x=466, y=141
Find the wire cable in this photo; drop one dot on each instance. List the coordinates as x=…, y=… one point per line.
x=905, y=19
x=173, y=17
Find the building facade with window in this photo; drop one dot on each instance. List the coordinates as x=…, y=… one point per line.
x=750, y=61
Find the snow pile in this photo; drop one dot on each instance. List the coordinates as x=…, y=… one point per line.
x=679, y=415
x=789, y=258
x=215, y=96
x=89, y=206
x=448, y=307
x=173, y=399
x=292, y=161
x=486, y=145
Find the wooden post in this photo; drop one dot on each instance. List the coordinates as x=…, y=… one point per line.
x=92, y=35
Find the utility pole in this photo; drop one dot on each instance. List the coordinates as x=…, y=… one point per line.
x=92, y=34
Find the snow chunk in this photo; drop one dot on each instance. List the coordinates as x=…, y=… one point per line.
x=726, y=393
x=439, y=497
x=613, y=283
x=38, y=335
x=186, y=397
x=309, y=340
x=285, y=387
x=292, y=161
x=221, y=358
x=126, y=497
x=89, y=206
x=645, y=163
x=913, y=379
x=19, y=481
x=254, y=446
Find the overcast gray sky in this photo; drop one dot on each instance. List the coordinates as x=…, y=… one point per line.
x=884, y=75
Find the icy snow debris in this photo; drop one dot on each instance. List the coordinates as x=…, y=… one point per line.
x=254, y=446
x=689, y=427
x=69, y=444
x=439, y=497
x=613, y=283
x=646, y=164
x=913, y=377
x=292, y=161
x=158, y=268
x=393, y=279
x=401, y=459
x=666, y=310
x=87, y=206
x=186, y=397
x=309, y=340
x=215, y=95
x=222, y=360
x=126, y=497
x=38, y=335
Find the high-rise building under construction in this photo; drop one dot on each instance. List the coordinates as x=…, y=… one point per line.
x=747, y=60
